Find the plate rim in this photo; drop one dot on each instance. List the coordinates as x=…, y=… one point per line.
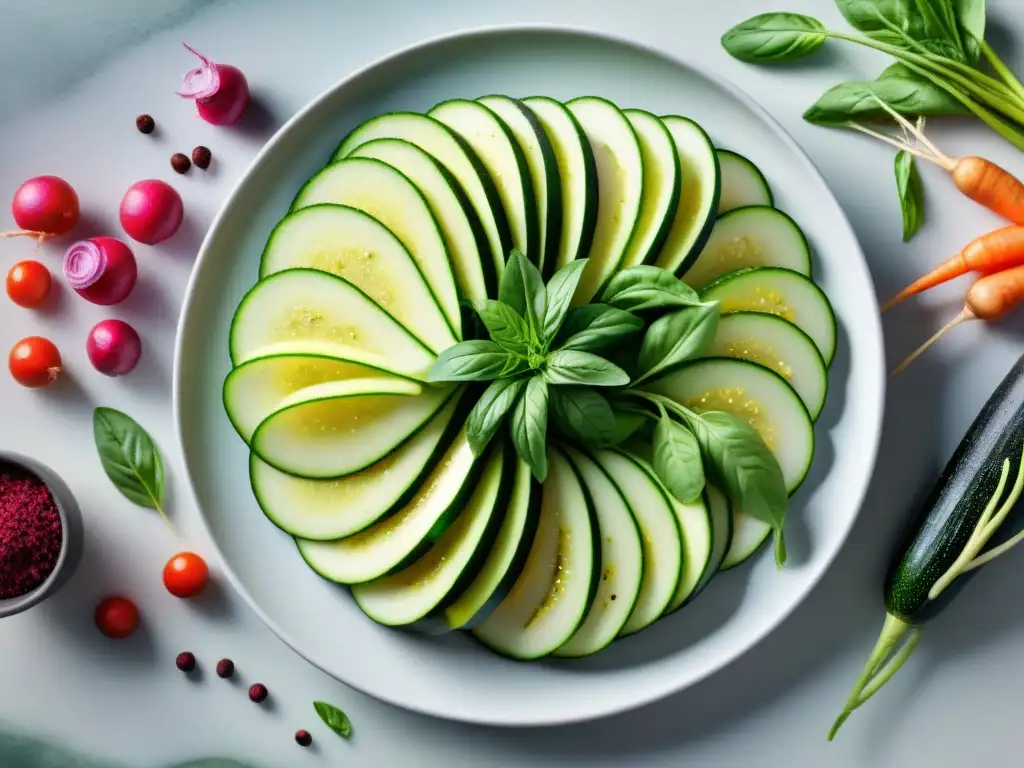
x=602, y=709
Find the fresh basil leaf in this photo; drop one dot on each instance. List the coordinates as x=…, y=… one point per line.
x=584, y=415
x=504, y=325
x=776, y=36
x=561, y=288
x=470, y=361
x=530, y=427
x=970, y=22
x=677, y=459
x=627, y=423
x=593, y=326
x=572, y=366
x=739, y=462
x=334, y=718
x=129, y=457
x=681, y=335
x=490, y=410
x=522, y=288
x=911, y=193
x=647, y=287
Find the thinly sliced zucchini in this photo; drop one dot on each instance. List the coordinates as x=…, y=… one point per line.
x=783, y=293
x=662, y=185
x=748, y=535
x=551, y=596
x=351, y=244
x=455, y=155
x=386, y=194
x=464, y=236
x=341, y=506
x=753, y=393
x=407, y=534
x=742, y=183
x=493, y=143
x=506, y=558
x=659, y=534
x=306, y=306
x=720, y=513
x=698, y=197
x=622, y=562
x=620, y=184
x=543, y=166
x=341, y=427
x=577, y=178
x=754, y=236
x=770, y=341
x=428, y=584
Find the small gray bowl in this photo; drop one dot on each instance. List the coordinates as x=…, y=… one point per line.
x=71, y=532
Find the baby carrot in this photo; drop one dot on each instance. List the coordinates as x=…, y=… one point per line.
x=992, y=252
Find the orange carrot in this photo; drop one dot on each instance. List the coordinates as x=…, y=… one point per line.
x=990, y=298
x=992, y=252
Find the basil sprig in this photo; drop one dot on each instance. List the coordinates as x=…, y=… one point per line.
x=130, y=458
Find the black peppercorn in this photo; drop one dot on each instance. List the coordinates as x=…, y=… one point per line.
x=186, y=661
x=303, y=738
x=258, y=692
x=201, y=156
x=225, y=668
x=180, y=162
x=145, y=123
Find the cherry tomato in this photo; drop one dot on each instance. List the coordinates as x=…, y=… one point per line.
x=28, y=284
x=186, y=574
x=117, y=617
x=34, y=362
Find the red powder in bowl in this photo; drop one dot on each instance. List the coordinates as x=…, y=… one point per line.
x=30, y=531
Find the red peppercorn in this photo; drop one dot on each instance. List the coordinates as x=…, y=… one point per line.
x=186, y=661
x=201, y=156
x=180, y=162
x=303, y=738
x=145, y=123
x=225, y=668
x=258, y=692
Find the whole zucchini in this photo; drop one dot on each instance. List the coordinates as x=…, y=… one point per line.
x=966, y=521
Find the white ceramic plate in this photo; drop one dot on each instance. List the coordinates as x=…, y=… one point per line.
x=452, y=676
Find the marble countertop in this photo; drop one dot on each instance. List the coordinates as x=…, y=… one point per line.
x=76, y=74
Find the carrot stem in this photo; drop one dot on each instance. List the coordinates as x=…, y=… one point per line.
x=1012, y=83
x=916, y=132
x=965, y=315
x=901, y=144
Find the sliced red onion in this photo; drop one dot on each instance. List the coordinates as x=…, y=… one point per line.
x=201, y=82
x=84, y=264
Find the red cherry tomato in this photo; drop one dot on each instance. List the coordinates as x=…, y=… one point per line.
x=186, y=574
x=34, y=362
x=117, y=617
x=28, y=283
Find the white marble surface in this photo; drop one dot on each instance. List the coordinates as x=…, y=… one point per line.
x=76, y=74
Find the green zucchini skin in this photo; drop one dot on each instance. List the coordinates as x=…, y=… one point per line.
x=956, y=503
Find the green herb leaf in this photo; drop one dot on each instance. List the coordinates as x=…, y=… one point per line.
x=931, y=23
x=130, y=458
x=593, y=326
x=334, y=718
x=627, y=423
x=471, y=361
x=490, y=410
x=775, y=37
x=522, y=288
x=572, y=366
x=583, y=414
x=561, y=288
x=970, y=21
x=647, y=287
x=504, y=325
x=681, y=335
x=530, y=427
x=677, y=459
x=911, y=192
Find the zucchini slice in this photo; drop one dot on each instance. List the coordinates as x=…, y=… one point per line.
x=455, y=155
x=306, y=306
x=336, y=507
x=464, y=236
x=620, y=184
x=698, y=197
x=783, y=293
x=754, y=236
x=662, y=184
x=551, y=596
x=341, y=427
x=352, y=244
x=753, y=393
x=659, y=535
x=493, y=143
x=388, y=195
x=577, y=178
x=770, y=341
x=742, y=183
x=622, y=562
x=748, y=535
x=544, y=175
x=404, y=536
x=698, y=547
x=720, y=513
